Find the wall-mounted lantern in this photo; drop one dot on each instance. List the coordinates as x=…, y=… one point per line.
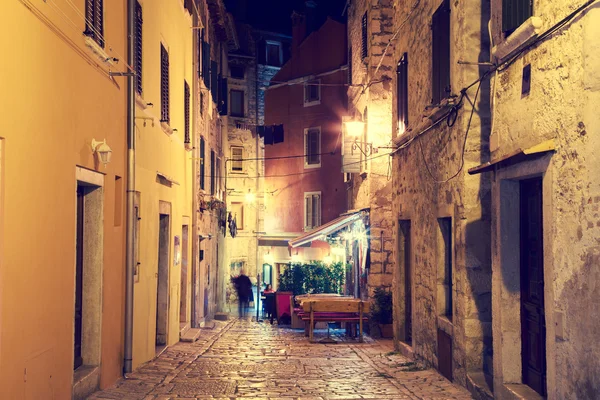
x=356, y=129
x=102, y=151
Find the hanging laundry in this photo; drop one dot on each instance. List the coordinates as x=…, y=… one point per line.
x=268, y=135
x=260, y=131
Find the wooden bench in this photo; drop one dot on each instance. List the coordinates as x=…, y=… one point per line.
x=334, y=310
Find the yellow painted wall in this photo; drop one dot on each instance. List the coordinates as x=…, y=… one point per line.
x=157, y=151
x=54, y=100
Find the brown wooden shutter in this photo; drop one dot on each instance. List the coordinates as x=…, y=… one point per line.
x=212, y=172
x=214, y=80
x=94, y=21
x=164, y=85
x=138, y=48
x=402, y=90
x=186, y=91
x=364, y=49
x=202, y=162
x=514, y=13
x=441, y=88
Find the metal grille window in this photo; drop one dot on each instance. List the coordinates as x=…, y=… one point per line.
x=312, y=210
x=237, y=103
x=312, y=93
x=164, y=85
x=202, y=162
x=514, y=13
x=441, y=87
x=312, y=145
x=365, y=43
x=186, y=91
x=402, y=93
x=212, y=172
x=237, y=155
x=138, y=48
x=94, y=21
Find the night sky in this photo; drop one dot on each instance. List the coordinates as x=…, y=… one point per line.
x=274, y=15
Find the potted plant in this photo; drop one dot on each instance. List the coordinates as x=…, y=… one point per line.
x=381, y=312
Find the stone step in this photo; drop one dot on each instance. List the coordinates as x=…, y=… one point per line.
x=221, y=316
x=191, y=335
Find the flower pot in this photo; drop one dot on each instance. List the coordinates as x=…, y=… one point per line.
x=387, y=330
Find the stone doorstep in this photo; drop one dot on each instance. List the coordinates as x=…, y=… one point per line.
x=191, y=335
x=86, y=380
x=221, y=316
x=522, y=392
x=406, y=350
x=479, y=386
x=183, y=328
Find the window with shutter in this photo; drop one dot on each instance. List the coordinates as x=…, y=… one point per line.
x=206, y=64
x=312, y=210
x=514, y=13
x=222, y=100
x=214, y=80
x=202, y=162
x=365, y=42
x=138, y=48
x=186, y=92
x=237, y=155
x=441, y=87
x=212, y=172
x=218, y=174
x=94, y=21
x=312, y=93
x=164, y=85
x=402, y=93
x=312, y=145
x=237, y=103
x=273, y=53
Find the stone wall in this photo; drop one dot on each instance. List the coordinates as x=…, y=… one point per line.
x=430, y=182
x=371, y=92
x=562, y=106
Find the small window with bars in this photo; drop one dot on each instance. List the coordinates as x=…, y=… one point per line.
x=237, y=103
x=138, y=48
x=441, y=87
x=94, y=21
x=312, y=93
x=312, y=210
x=186, y=92
x=164, y=85
x=514, y=13
x=212, y=173
x=402, y=93
x=202, y=163
x=312, y=145
x=365, y=38
x=237, y=156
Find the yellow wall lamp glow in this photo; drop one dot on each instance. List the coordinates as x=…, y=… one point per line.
x=102, y=151
x=356, y=129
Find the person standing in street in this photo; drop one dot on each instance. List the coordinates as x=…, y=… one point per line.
x=243, y=286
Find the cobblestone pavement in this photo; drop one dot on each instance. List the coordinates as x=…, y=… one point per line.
x=247, y=360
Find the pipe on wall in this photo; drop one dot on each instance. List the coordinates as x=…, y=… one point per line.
x=131, y=217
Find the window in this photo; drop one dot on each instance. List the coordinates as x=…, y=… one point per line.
x=186, y=94
x=237, y=155
x=349, y=65
x=222, y=95
x=402, y=93
x=94, y=21
x=312, y=210
x=214, y=80
x=444, y=251
x=365, y=42
x=514, y=13
x=201, y=105
x=237, y=103
x=312, y=145
x=202, y=162
x=218, y=173
x=441, y=88
x=273, y=53
x=164, y=85
x=236, y=71
x=205, y=60
x=312, y=93
x=212, y=172
x=237, y=212
x=138, y=48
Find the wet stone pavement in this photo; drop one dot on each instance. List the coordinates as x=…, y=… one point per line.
x=248, y=360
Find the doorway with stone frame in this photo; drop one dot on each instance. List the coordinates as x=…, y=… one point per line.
x=403, y=321
x=183, y=302
x=162, y=277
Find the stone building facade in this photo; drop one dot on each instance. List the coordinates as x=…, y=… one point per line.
x=370, y=73
x=544, y=169
x=441, y=214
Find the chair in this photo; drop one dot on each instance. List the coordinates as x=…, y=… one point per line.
x=283, y=305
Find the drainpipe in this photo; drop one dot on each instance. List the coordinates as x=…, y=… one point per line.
x=131, y=217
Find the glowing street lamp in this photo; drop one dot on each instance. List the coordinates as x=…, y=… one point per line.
x=356, y=129
x=250, y=197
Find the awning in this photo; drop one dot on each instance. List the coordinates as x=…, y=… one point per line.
x=326, y=229
x=276, y=240
x=515, y=157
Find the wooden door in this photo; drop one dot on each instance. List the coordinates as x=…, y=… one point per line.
x=406, y=260
x=533, y=321
x=79, y=279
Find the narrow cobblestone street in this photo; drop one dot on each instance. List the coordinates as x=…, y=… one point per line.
x=248, y=360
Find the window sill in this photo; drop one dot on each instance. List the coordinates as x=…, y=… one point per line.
x=188, y=146
x=140, y=102
x=522, y=36
x=312, y=166
x=98, y=51
x=166, y=128
x=312, y=103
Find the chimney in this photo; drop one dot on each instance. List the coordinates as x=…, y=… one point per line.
x=311, y=16
x=298, y=30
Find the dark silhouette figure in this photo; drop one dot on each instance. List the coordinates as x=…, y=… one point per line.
x=243, y=286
